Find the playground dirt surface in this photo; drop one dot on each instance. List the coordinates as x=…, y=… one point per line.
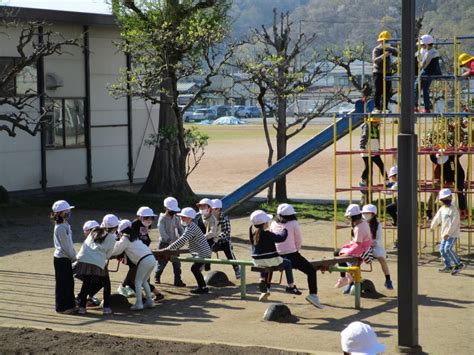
x=219, y=321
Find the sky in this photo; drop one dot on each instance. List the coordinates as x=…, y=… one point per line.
x=91, y=6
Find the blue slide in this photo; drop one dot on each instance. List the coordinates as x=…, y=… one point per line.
x=297, y=157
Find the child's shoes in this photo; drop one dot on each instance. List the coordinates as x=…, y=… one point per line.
x=343, y=281
x=388, y=284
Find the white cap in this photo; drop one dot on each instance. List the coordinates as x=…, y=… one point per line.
x=145, y=212
x=124, y=224
x=216, y=203
x=89, y=225
x=426, y=39
x=369, y=209
x=205, y=201
x=352, y=210
x=393, y=171
x=110, y=221
x=285, y=209
x=359, y=338
x=260, y=217
x=172, y=204
x=443, y=193
x=61, y=205
x=441, y=158
x=188, y=212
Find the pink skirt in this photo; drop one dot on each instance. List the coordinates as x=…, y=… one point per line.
x=354, y=249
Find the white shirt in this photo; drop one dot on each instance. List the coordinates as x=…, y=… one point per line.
x=448, y=217
x=96, y=253
x=135, y=250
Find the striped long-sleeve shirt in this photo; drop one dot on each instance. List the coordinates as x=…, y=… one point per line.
x=224, y=227
x=196, y=240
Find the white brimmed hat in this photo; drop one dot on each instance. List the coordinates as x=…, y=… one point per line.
x=443, y=193
x=188, y=212
x=426, y=39
x=205, y=201
x=145, y=212
x=369, y=209
x=61, y=205
x=393, y=171
x=124, y=224
x=216, y=203
x=89, y=225
x=172, y=204
x=359, y=338
x=110, y=221
x=260, y=217
x=285, y=209
x=352, y=210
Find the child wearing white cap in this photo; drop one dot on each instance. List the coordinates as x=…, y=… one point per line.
x=393, y=186
x=89, y=226
x=448, y=217
x=290, y=249
x=359, y=338
x=64, y=255
x=207, y=222
x=170, y=230
x=264, y=251
x=369, y=213
x=91, y=267
x=198, y=246
x=223, y=241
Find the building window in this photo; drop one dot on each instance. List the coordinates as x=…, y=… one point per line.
x=65, y=123
x=25, y=82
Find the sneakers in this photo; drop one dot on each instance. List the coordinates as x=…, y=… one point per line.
x=130, y=292
x=158, y=297
x=347, y=290
x=363, y=184
x=137, y=307
x=314, y=300
x=199, y=290
x=237, y=273
x=125, y=291
x=262, y=286
x=446, y=269
x=107, y=310
x=352, y=290
x=179, y=283
x=343, y=281
x=82, y=310
x=293, y=290
x=457, y=268
x=388, y=284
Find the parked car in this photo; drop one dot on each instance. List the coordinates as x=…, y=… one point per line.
x=238, y=109
x=221, y=110
x=202, y=114
x=251, y=111
x=187, y=115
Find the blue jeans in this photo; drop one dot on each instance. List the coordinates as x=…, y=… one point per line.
x=288, y=271
x=447, y=252
x=425, y=89
x=160, y=267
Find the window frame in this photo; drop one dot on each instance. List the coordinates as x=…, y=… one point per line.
x=15, y=84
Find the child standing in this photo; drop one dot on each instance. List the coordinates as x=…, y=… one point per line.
x=393, y=185
x=223, y=241
x=448, y=217
x=141, y=256
x=369, y=213
x=170, y=229
x=264, y=251
x=64, y=256
x=92, y=259
x=207, y=222
x=290, y=250
x=361, y=241
x=198, y=246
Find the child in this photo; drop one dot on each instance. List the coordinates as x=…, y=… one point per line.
x=170, y=229
x=448, y=217
x=359, y=338
x=289, y=249
x=139, y=230
x=429, y=66
x=198, y=246
x=64, y=256
x=378, y=53
x=264, y=252
x=89, y=226
x=222, y=241
x=207, y=222
x=361, y=241
x=141, y=256
x=92, y=259
x=369, y=213
x=393, y=185
x=465, y=60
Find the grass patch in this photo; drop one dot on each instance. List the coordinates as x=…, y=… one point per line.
x=324, y=212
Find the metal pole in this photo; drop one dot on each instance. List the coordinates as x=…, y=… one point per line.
x=407, y=185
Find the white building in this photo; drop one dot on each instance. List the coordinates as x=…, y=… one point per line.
x=96, y=138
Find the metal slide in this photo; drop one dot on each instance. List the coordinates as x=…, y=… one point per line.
x=297, y=157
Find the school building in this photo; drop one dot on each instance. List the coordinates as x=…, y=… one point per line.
x=91, y=138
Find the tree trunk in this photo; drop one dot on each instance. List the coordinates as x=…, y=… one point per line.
x=280, y=193
x=167, y=174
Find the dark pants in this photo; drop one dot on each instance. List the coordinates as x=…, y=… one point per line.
x=64, y=284
x=226, y=247
x=378, y=161
x=392, y=211
x=300, y=263
x=130, y=277
x=425, y=89
x=378, y=96
x=91, y=284
x=162, y=262
x=196, y=270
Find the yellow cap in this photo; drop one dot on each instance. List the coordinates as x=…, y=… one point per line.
x=464, y=58
x=384, y=36
x=375, y=119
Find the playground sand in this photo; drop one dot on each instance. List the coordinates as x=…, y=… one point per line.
x=27, y=300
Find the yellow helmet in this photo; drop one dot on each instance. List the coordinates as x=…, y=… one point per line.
x=464, y=58
x=384, y=36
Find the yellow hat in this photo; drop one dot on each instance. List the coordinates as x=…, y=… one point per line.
x=464, y=58
x=375, y=119
x=384, y=36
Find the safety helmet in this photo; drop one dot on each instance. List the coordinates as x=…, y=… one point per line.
x=464, y=58
x=384, y=36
